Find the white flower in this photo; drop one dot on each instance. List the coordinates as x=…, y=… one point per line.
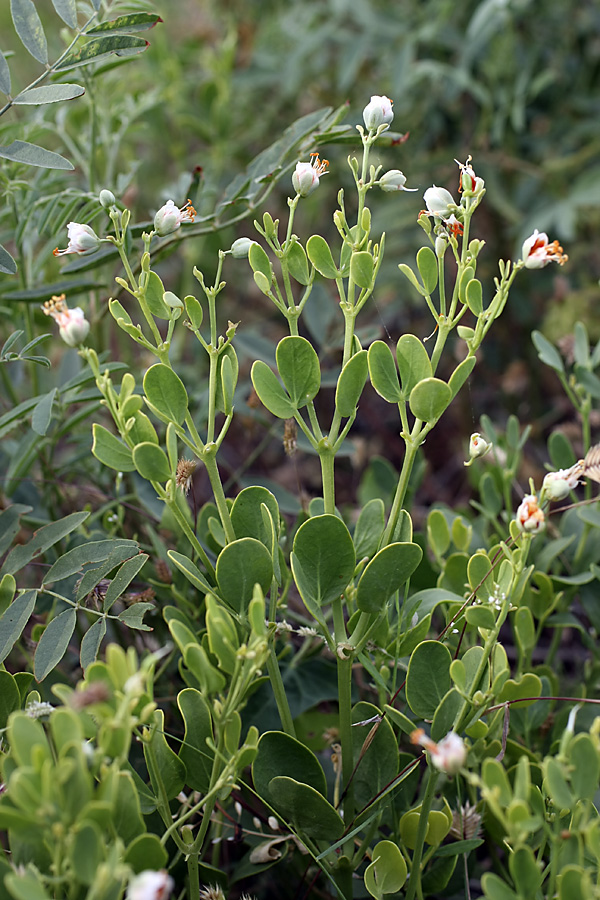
x=169, y=217
x=72, y=324
x=82, y=239
x=394, y=180
x=537, y=252
x=150, y=885
x=306, y=175
x=448, y=755
x=378, y=112
x=439, y=202
x=530, y=518
x=557, y=485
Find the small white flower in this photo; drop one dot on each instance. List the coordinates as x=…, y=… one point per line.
x=537, y=252
x=530, y=518
x=439, y=202
x=469, y=182
x=557, y=485
x=82, y=239
x=378, y=112
x=72, y=324
x=306, y=176
x=169, y=217
x=150, y=885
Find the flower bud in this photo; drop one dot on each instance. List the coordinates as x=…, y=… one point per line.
x=530, y=518
x=106, y=198
x=378, y=112
x=469, y=182
x=478, y=446
x=558, y=485
x=439, y=202
x=441, y=245
x=537, y=252
x=169, y=217
x=306, y=175
x=394, y=180
x=241, y=248
x=82, y=239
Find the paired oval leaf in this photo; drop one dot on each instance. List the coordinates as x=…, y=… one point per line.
x=351, y=383
x=385, y=574
x=111, y=450
x=166, y=393
x=322, y=559
x=429, y=398
x=383, y=372
x=413, y=362
x=299, y=368
x=428, y=678
x=317, y=250
x=270, y=392
x=240, y=566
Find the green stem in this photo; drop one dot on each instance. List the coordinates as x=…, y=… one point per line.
x=283, y=707
x=344, y=673
x=212, y=394
x=208, y=458
x=412, y=444
x=187, y=530
x=414, y=882
x=327, y=460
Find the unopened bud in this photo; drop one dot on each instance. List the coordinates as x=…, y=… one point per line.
x=241, y=248
x=106, y=198
x=394, y=180
x=378, y=112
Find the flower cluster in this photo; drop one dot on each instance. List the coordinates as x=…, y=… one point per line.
x=72, y=323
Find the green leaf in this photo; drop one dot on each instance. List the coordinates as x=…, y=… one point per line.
x=227, y=376
x=556, y=785
x=474, y=296
x=126, y=24
x=7, y=264
x=53, y=643
x=387, y=872
x=123, y=578
x=298, y=263
x=14, y=620
x=43, y=538
x=4, y=75
x=438, y=532
x=369, y=528
x=376, y=746
x=93, y=51
x=410, y=275
x=32, y=155
x=460, y=375
x=90, y=552
x=480, y=617
x=427, y=264
x=10, y=697
x=25, y=886
x=585, y=771
x=270, y=392
x=42, y=413
x=194, y=752
x=166, y=393
x=351, y=383
x=151, y=462
x=49, y=93
x=529, y=685
x=67, y=10
x=280, y=754
x=133, y=616
x=547, y=352
x=145, y=848
x=86, y=852
x=194, y=311
x=90, y=643
x=322, y=559
x=111, y=450
x=317, y=250
x=28, y=26
x=155, y=291
x=383, y=372
x=413, y=360
x=299, y=369
x=240, y=566
x=361, y=269
x=428, y=678
x=429, y=398
x=495, y=888
x=246, y=515
x=385, y=574
x=165, y=764
x=260, y=262
x=306, y=809
x=191, y=572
